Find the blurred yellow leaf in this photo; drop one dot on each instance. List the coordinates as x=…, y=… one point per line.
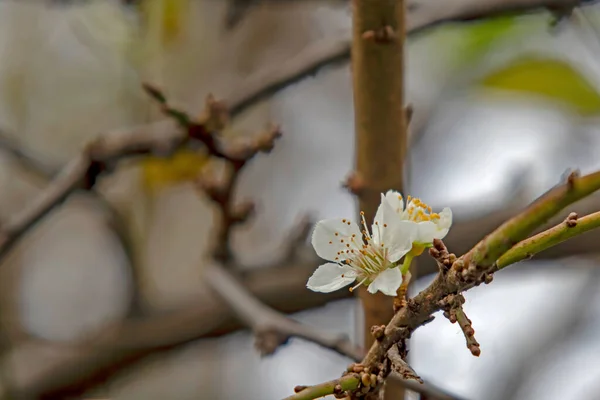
x=165, y=18
x=548, y=78
x=158, y=173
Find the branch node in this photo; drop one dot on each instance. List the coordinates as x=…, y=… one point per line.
x=572, y=179
x=400, y=366
x=378, y=332
x=268, y=340
x=440, y=253
x=571, y=220
x=215, y=116
x=383, y=35
x=409, y=110
x=300, y=388
x=355, y=183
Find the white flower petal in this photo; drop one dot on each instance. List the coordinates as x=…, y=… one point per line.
x=427, y=231
x=387, y=282
x=401, y=235
x=384, y=215
x=445, y=219
x=395, y=200
x=330, y=277
x=327, y=244
x=395, y=234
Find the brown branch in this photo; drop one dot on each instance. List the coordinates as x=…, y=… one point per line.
x=272, y=329
x=426, y=390
x=378, y=34
x=162, y=137
x=400, y=366
x=453, y=306
x=76, y=369
x=421, y=15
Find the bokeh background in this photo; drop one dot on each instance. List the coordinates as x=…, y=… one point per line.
x=502, y=108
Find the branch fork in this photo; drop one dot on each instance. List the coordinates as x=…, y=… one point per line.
x=453, y=310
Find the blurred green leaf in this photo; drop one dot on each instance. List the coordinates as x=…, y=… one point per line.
x=549, y=78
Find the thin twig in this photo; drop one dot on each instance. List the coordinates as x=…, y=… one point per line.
x=487, y=251
x=572, y=226
x=272, y=329
x=347, y=382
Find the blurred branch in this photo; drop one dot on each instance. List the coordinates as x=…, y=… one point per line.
x=271, y=328
x=76, y=369
x=163, y=138
x=420, y=15
x=28, y=162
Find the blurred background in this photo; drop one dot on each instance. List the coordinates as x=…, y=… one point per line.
x=502, y=107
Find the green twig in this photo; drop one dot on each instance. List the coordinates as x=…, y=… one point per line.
x=565, y=230
x=488, y=250
x=348, y=382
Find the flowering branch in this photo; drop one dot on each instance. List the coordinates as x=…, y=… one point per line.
x=271, y=328
x=475, y=268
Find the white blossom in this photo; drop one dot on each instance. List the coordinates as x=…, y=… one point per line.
x=371, y=261
x=430, y=225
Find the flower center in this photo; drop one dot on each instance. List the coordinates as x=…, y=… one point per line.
x=418, y=211
x=370, y=259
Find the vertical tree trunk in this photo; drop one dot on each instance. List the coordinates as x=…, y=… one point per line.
x=380, y=121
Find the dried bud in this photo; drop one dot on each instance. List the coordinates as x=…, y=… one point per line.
x=299, y=388
x=433, y=252
x=572, y=178
x=459, y=265
x=373, y=380
x=571, y=220
x=337, y=389
x=358, y=368
x=385, y=34
x=365, y=379
x=469, y=331
x=475, y=350
x=215, y=115
x=378, y=331
x=355, y=183
x=266, y=141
